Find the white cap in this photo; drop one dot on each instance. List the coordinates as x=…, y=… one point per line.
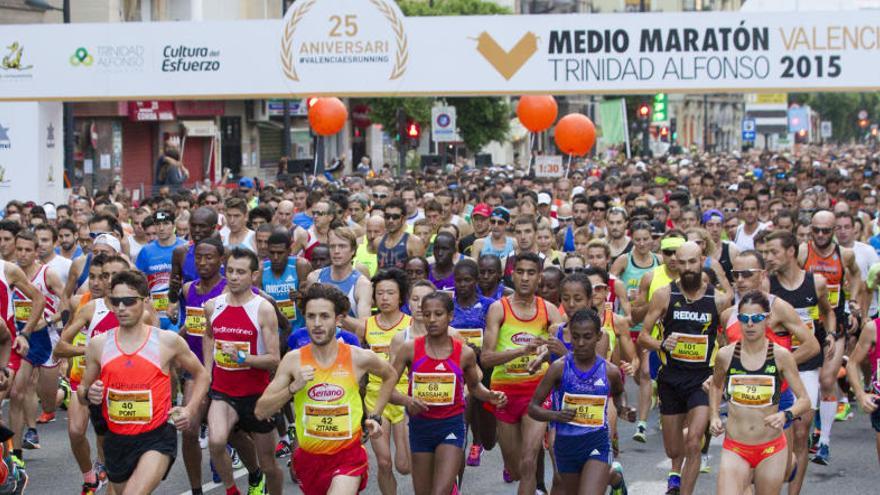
x=577, y=190
x=108, y=240
x=543, y=199
x=733, y=187
x=51, y=212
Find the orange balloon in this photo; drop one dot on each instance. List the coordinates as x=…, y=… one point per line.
x=537, y=113
x=327, y=116
x=575, y=134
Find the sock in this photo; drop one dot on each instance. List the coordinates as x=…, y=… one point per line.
x=196, y=491
x=827, y=411
x=232, y=490
x=17, y=453
x=643, y=424
x=90, y=477
x=254, y=478
x=673, y=474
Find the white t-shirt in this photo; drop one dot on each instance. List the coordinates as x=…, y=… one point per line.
x=745, y=242
x=61, y=266
x=865, y=257
x=134, y=247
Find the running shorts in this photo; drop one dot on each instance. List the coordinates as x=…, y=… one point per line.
x=99, y=423
x=393, y=413
x=875, y=417
x=517, y=406
x=244, y=408
x=315, y=472
x=123, y=452
x=40, y=352
x=573, y=451
x=426, y=434
x=654, y=364
x=755, y=454
x=681, y=391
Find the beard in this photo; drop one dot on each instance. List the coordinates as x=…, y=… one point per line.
x=690, y=281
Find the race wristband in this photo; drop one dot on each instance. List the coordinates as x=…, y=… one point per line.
x=240, y=356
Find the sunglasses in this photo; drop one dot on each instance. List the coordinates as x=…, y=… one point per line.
x=823, y=230
x=94, y=235
x=600, y=287
x=754, y=318
x=321, y=213
x=127, y=301
x=380, y=195
x=564, y=219
x=599, y=208
x=737, y=274
x=569, y=271
x=393, y=216
x=497, y=221
x=730, y=210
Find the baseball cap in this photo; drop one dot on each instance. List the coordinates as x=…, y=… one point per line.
x=108, y=240
x=163, y=216
x=712, y=213
x=51, y=212
x=502, y=213
x=543, y=199
x=246, y=182
x=482, y=209
x=577, y=190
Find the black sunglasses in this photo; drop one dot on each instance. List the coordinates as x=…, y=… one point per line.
x=393, y=216
x=127, y=301
x=580, y=269
x=743, y=273
x=822, y=230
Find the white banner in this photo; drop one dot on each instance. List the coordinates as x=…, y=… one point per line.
x=31, y=152
x=367, y=48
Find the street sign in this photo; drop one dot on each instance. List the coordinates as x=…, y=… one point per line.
x=825, y=129
x=863, y=114
x=443, y=127
x=798, y=119
x=548, y=166
x=748, y=129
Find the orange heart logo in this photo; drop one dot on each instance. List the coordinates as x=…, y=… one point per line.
x=507, y=63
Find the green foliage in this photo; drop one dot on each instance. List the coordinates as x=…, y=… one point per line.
x=480, y=120
x=842, y=110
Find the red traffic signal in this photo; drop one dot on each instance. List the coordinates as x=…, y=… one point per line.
x=863, y=123
x=644, y=111
x=413, y=130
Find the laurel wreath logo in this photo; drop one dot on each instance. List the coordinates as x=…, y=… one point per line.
x=401, y=57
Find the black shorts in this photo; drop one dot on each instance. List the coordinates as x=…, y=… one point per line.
x=681, y=391
x=244, y=408
x=875, y=417
x=99, y=424
x=123, y=452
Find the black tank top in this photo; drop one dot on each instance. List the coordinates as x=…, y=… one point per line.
x=394, y=256
x=804, y=299
x=626, y=251
x=753, y=388
x=696, y=322
x=725, y=261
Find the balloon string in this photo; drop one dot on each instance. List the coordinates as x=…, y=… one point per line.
x=529, y=148
x=568, y=168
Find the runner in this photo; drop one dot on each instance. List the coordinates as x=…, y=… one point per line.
x=397, y=244
x=580, y=384
x=497, y=243
x=441, y=272
x=128, y=375
x=751, y=373
x=512, y=355
x=242, y=334
x=489, y=278
x=328, y=462
x=688, y=311
x=868, y=398
x=154, y=261
x=436, y=402
x=202, y=224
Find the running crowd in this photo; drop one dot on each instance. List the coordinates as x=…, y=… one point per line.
x=437, y=314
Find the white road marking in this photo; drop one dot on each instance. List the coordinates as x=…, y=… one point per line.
x=210, y=486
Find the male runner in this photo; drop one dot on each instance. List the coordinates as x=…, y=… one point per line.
x=688, y=310
x=154, y=261
x=808, y=294
x=823, y=255
x=79, y=269
x=202, y=224
x=342, y=274
x=128, y=372
x=396, y=246
x=241, y=350
x=322, y=378
x=516, y=326
x=47, y=237
x=619, y=243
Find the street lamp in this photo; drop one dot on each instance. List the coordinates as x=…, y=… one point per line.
x=68, y=109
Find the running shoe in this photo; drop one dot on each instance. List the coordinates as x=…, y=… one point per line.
x=673, y=484
x=22, y=482
x=282, y=450
x=705, y=467
x=506, y=475
x=90, y=488
x=215, y=476
x=31, y=439
x=236, y=461
x=823, y=455
x=814, y=442
x=291, y=433
x=640, y=434
x=474, y=456
x=844, y=411
x=258, y=488
x=203, y=436
x=46, y=418
x=17, y=462
x=620, y=488
x=64, y=385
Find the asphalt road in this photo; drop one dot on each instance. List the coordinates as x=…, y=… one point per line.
x=854, y=469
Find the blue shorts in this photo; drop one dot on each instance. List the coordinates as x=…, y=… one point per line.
x=40, y=351
x=574, y=451
x=786, y=400
x=425, y=435
x=654, y=364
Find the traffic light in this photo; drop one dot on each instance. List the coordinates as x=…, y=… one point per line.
x=800, y=136
x=673, y=128
x=659, y=113
x=644, y=111
x=413, y=133
x=664, y=134
x=863, y=123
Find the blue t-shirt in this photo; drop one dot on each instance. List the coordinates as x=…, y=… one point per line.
x=76, y=252
x=300, y=338
x=303, y=220
x=155, y=261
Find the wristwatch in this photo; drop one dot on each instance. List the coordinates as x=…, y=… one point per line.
x=375, y=417
x=240, y=356
x=789, y=416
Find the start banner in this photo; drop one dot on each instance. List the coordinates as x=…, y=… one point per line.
x=368, y=48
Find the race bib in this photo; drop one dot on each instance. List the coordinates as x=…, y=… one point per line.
x=23, y=309
x=434, y=389
x=227, y=362
x=195, y=323
x=691, y=348
x=589, y=409
x=160, y=301
x=518, y=366
x=78, y=363
x=327, y=422
x=833, y=295
x=472, y=336
x=383, y=350
x=751, y=390
x=134, y=407
x=287, y=308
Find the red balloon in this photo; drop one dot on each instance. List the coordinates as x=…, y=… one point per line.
x=575, y=134
x=327, y=116
x=537, y=113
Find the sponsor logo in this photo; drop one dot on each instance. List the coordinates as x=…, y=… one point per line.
x=81, y=57
x=769, y=450
x=507, y=62
x=14, y=58
x=691, y=316
x=5, y=142
x=190, y=59
x=440, y=367
x=326, y=392
x=522, y=338
x=110, y=58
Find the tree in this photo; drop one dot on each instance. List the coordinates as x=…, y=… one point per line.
x=842, y=110
x=481, y=120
